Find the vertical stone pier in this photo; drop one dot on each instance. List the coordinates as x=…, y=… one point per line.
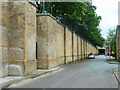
x=0, y=40
x=46, y=41
x=4, y=45
x=74, y=47
x=68, y=46
x=19, y=34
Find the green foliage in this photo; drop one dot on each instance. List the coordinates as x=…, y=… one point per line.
x=112, y=35
x=79, y=17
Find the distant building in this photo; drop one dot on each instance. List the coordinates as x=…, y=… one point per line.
x=101, y=50
x=118, y=42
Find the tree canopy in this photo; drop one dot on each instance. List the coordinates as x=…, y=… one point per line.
x=80, y=17
x=112, y=35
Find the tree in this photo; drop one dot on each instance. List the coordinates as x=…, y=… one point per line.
x=112, y=35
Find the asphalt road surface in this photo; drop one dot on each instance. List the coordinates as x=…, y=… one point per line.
x=92, y=73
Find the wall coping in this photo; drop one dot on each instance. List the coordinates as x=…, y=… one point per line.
x=48, y=14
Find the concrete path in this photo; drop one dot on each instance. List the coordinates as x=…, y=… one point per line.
x=92, y=73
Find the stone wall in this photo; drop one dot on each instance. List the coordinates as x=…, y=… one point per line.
x=80, y=48
x=60, y=44
x=74, y=47
x=52, y=42
x=5, y=45
x=56, y=44
x=118, y=42
x=83, y=48
x=0, y=38
x=42, y=42
x=18, y=38
x=23, y=34
x=88, y=49
x=68, y=45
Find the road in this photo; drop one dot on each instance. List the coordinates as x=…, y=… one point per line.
x=92, y=73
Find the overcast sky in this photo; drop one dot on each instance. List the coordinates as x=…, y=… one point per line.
x=108, y=9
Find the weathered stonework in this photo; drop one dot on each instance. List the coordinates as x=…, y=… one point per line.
x=82, y=45
x=23, y=34
x=80, y=48
x=19, y=38
x=42, y=42
x=60, y=44
x=50, y=42
x=118, y=42
x=4, y=47
x=87, y=49
x=84, y=49
x=88, y=46
x=68, y=45
x=74, y=47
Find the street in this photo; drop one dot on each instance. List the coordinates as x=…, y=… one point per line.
x=92, y=73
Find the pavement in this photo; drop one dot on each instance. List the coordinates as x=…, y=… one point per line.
x=92, y=73
x=7, y=81
x=111, y=60
x=117, y=75
x=116, y=71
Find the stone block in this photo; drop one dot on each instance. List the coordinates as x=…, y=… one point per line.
x=5, y=68
x=4, y=37
x=68, y=59
x=41, y=48
x=16, y=54
x=42, y=64
x=5, y=15
x=17, y=24
x=16, y=68
x=30, y=67
x=17, y=38
x=68, y=45
x=42, y=26
x=1, y=69
x=82, y=44
x=22, y=67
x=0, y=35
x=79, y=48
x=60, y=60
x=52, y=63
x=60, y=44
x=5, y=51
x=74, y=47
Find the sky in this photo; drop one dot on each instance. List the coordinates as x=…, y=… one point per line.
x=108, y=10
